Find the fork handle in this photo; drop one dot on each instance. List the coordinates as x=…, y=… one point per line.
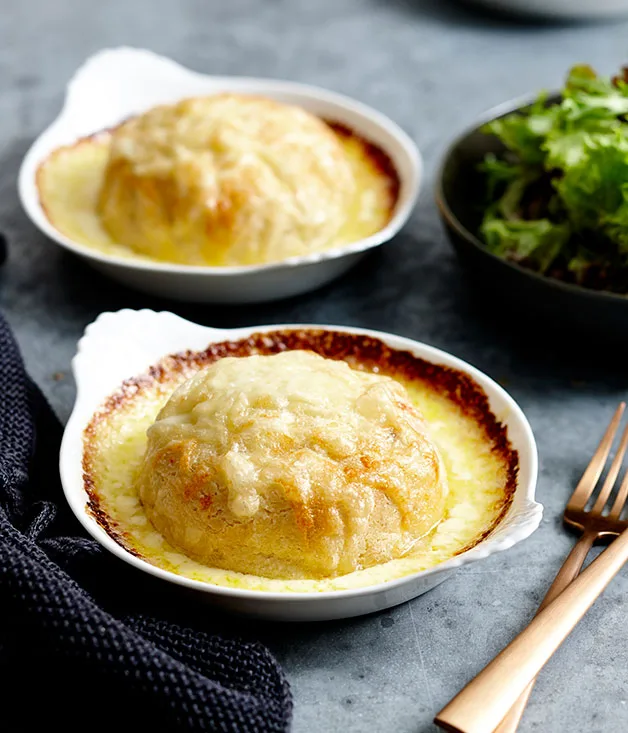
x=570, y=570
x=483, y=703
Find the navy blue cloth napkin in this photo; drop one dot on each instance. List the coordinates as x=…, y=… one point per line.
x=83, y=644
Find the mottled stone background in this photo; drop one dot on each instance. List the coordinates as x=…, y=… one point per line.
x=433, y=67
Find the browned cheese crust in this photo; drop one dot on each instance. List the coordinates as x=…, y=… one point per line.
x=359, y=351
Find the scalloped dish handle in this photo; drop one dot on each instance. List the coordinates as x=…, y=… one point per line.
x=123, y=344
x=115, y=81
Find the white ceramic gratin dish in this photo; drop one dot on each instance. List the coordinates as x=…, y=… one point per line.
x=118, y=83
x=121, y=345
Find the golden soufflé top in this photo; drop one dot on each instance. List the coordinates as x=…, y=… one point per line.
x=291, y=466
x=222, y=180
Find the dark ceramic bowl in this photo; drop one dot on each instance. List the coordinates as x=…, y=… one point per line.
x=544, y=303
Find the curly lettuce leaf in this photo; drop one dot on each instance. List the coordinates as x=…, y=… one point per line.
x=523, y=132
x=555, y=135
x=616, y=224
x=566, y=150
x=560, y=194
x=587, y=95
x=511, y=180
x=536, y=243
x=499, y=172
x=594, y=189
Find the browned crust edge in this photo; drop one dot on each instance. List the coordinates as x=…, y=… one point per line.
x=360, y=351
x=378, y=157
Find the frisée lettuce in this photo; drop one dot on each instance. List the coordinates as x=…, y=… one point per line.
x=558, y=194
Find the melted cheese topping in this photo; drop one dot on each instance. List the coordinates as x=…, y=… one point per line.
x=291, y=465
x=224, y=180
x=477, y=477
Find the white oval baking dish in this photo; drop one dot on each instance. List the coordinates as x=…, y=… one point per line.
x=120, y=345
x=115, y=84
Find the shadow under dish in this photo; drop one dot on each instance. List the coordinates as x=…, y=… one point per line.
x=480, y=462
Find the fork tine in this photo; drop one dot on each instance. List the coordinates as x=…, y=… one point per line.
x=612, y=475
x=620, y=499
x=590, y=477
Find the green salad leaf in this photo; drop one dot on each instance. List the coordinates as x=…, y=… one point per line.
x=593, y=188
x=538, y=242
x=558, y=194
x=523, y=133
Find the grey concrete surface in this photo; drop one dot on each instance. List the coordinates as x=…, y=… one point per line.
x=431, y=66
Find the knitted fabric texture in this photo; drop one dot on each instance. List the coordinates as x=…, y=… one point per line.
x=86, y=644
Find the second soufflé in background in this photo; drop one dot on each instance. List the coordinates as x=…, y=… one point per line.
x=219, y=180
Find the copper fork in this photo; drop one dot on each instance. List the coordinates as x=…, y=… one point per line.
x=462, y=714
